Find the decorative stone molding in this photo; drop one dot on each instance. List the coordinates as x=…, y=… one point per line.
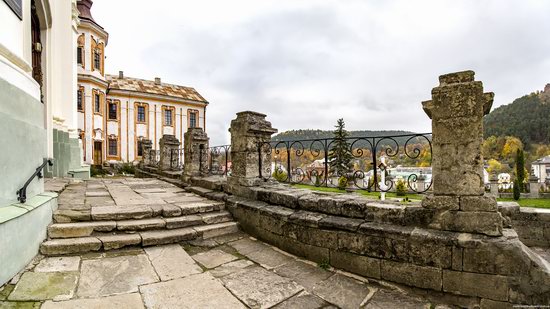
x=195, y=152
x=457, y=108
x=248, y=130
x=146, y=146
x=167, y=143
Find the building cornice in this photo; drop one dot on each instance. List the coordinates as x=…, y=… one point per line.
x=86, y=24
x=92, y=79
x=156, y=97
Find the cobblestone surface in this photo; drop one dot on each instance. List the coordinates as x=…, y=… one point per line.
x=229, y=271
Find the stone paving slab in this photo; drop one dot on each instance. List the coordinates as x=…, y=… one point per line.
x=19, y=305
x=230, y=268
x=305, y=274
x=260, y=288
x=196, y=291
x=247, y=245
x=213, y=258
x=59, y=264
x=269, y=258
x=171, y=262
x=117, y=275
x=342, y=291
x=386, y=299
x=125, y=301
x=305, y=301
x=42, y=286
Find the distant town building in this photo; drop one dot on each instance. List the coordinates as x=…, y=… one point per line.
x=115, y=112
x=541, y=169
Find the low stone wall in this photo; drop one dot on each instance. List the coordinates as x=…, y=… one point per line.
x=391, y=242
x=531, y=224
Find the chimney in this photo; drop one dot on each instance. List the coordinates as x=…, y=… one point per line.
x=120, y=74
x=157, y=80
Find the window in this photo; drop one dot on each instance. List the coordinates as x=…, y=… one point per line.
x=168, y=117
x=97, y=105
x=139, y=148
x=113, y=146
x=79, y=98
x=97, y=59
x=193, y=120
x=79, y=55
x=113, y=111
x=141, y=114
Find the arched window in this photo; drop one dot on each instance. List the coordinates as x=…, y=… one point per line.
x=80, y=50
x=36, y=49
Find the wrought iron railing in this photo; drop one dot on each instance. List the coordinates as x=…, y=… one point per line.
x=216, y=160
x=176, y=159
x=407, y=158
x=22, y=193
x=154, y=157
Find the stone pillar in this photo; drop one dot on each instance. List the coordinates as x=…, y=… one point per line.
x=534, y=186
x=195, y=153
x=493, y=183
x=248, y=130
x=457, y=108
x=146, y=146
x=167, y=143
x=420, y=183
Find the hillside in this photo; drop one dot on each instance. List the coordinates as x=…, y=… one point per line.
x=527, y=118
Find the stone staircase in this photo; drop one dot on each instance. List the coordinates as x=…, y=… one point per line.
x=114, y=227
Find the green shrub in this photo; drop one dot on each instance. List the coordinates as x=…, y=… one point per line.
x=127, y=168
x=96, y=170
x=342, y=182
x=400, y=188
x=280, y=175
x=517, y=192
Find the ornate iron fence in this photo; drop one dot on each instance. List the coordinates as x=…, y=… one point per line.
x=405, y=160
x=216, y=160
x=176, y=159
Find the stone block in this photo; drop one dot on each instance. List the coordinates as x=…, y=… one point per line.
x=287, y=198
x=139, y=225
x=111, y=242
x=306, y=218
x=384, y=213
x=214, y=230
x=478, y=203
x=272, y=224
x=161, y=237
x=441, y=202
x=312, y=236
x=358, y=264
x=305, y=274
x=329, y=204
x=349, y=294
x=488, y=223
x=354, y=208
x=417, y=216
x=413, y=275
x=493, y=304
x=125, y=301
x=81, y=229
x=340, y=223
x=70, y=245
x=503, y=258
x=457, y=257
x=494, y=287
x=42, y=286
x=121, y=212
x=373, y=246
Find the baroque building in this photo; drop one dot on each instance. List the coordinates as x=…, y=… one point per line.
x=115, y=112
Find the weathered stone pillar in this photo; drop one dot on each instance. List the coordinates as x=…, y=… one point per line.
x=493, y=183
x=534, y=186
x=248, y=130
x=167, y=143
x=146, y=146
x=195, y=153
x=457, y=108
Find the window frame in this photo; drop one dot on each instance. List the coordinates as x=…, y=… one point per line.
x=110, y=140
x=117, y=114
x=172, y=113
x=80, y=97
x=144, y=113
x=190, y=114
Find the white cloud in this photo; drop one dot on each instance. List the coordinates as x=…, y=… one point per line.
x=306, y=63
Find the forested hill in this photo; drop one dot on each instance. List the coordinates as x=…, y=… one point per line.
x=316, y=134
x=527, y=118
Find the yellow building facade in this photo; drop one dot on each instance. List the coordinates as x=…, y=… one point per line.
x=115, y=112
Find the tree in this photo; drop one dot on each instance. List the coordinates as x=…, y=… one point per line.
x=517, y=193
x=520, y=169
x=339, y=156
x=494, y=166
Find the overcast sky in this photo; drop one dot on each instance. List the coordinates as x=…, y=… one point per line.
x=306, y=63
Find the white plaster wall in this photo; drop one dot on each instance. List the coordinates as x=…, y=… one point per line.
x=112, y=128
x=14, y=39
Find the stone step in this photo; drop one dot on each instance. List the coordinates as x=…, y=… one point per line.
x=136, y=212
x=120, y=239
x=84, y=229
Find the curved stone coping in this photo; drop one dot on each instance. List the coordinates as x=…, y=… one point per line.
x=15, y=210
x=531, y=224
x=466, y=269
x=343, y=205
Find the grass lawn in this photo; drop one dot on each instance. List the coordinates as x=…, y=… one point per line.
x=529, y=202
x=374, y=195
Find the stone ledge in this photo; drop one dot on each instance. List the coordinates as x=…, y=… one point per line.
x=15, y=210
